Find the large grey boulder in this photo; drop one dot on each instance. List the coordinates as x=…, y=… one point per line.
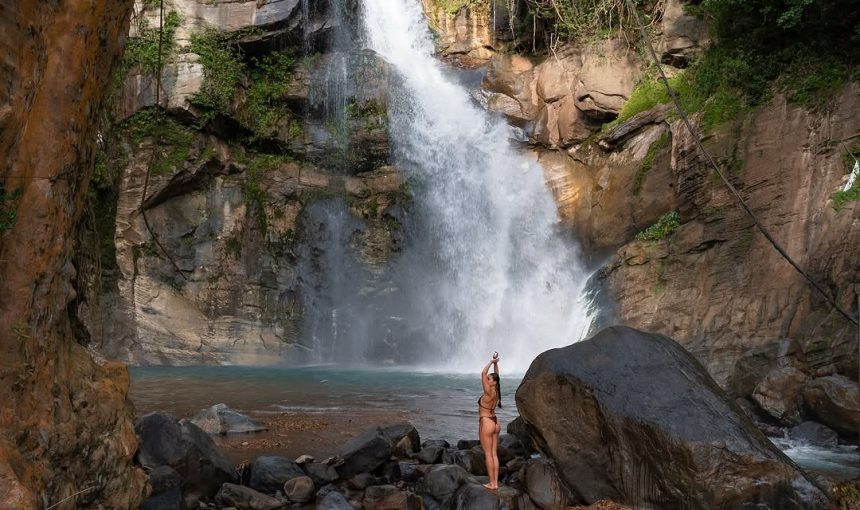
x=814, y=434
x=632, y=417
x=835, y=401
x=544, y=486
x=221, y=420
x=165, y=441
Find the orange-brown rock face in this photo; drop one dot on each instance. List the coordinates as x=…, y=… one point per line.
x=716, y=285
x=65, y=424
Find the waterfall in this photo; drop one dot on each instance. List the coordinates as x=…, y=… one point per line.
x=487, y=267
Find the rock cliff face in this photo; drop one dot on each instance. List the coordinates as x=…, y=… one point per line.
x=249, y=235
x=715, y=284
x=65, y=425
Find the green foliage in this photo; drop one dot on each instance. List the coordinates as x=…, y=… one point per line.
x=223, y=69
x=665, y=226
x=142, y=49
x=452, y=7
x=8, y=207
x=648, y=162
x=840, y=199
x=266, y=106
x=173, y=140
x=371, y=112
x=579, y=19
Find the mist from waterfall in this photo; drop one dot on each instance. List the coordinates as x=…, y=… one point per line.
x=486, y=267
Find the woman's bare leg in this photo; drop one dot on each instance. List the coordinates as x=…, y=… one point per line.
x=485, y=434
x=494, y=476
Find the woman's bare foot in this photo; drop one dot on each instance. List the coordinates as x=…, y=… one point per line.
x=491, y=487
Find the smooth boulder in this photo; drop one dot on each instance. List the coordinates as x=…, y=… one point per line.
x=220, y=420
x=814, y=434
x=835, y=401
x=299, y=489
x=544, y=486
x=778, y=394
x=269, y=473
x=632, y=417
x=370, y=449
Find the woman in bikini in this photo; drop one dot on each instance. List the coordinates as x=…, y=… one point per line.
x=488, y=424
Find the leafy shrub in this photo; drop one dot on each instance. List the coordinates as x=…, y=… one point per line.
x=142, y=49
x=665, y=226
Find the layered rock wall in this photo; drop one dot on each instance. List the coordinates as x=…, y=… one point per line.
x=66, y=438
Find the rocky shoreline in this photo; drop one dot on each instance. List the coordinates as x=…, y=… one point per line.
x=648, y=429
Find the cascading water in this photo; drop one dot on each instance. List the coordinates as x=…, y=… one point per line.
x=486, y=268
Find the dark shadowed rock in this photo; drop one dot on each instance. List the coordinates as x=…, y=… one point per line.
x=814, y=434
x=166, y=490
x=835, y=401
x=757, y=363
x=544, y=486
x=321, y=473
x=442, y=481
x=333, y=500
x=221, y=420
x=389, y=497
x=187, y=449
x=246, y=498
x=778, y=394
x=512, y=499
x=269, y=473
x=471, y=460
x=634, y=418
x=473, y=495
x=364, y=453
x=430, y=454
x=299, y=489
x=440, y=443
x=399, y=432
x=465, y=444
x=518, y=429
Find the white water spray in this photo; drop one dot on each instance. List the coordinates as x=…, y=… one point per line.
x=489, y=270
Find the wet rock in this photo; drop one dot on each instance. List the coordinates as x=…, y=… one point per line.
x=333, y=500
x=473, y=495
x=166, y=490
x=814, y=434
x=187, y=449
x=364, y=453
x=269, y=473
x=245, y=498
x=438, y=443
x=430, y=454
x=645, y=409
x=321, y=473
x=465, y=444
x=221, y=420
x=509, y=448
x=544, y=486
x=519, y=430
x=443, y=480
x=835, y=401
x=304, y=459
x=403, y=437
x=779, y=394
x=389, y=497
x=299, y=489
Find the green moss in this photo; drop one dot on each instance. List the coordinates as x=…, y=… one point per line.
x=233, y=247
x=648, y=162
x=223, y=70
x=173, y=140
x=266, y=107
x=8, y=207
x=665, y=226
x=142, y=50
x=372, y=112
x=840, y=199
